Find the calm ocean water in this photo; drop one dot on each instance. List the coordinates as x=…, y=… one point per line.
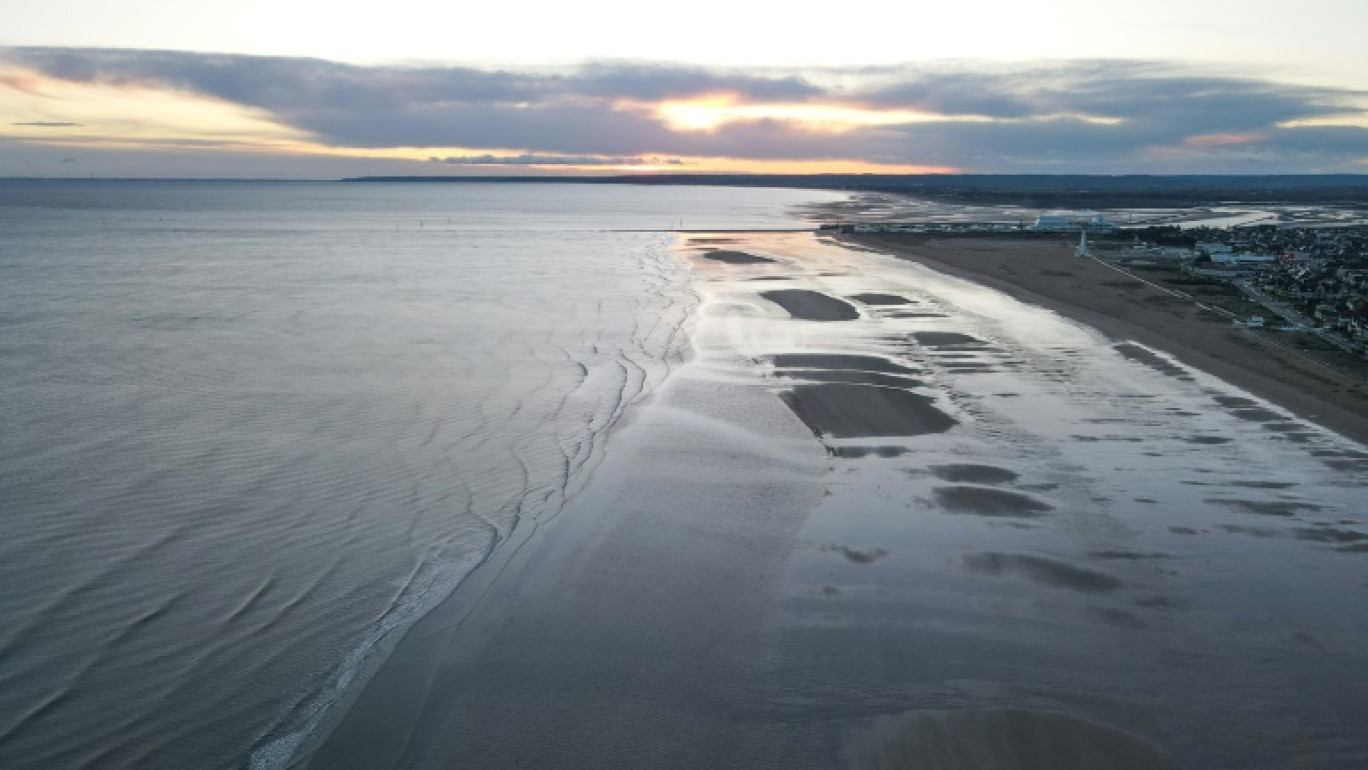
x=253, y=430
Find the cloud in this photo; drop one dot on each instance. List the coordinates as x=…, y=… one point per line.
x=532, y=159
x=1075, y=116
x=48, y=124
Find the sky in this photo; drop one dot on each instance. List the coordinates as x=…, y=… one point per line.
x=312, y=89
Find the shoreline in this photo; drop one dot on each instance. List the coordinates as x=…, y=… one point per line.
x=1045, y=273
x=952, y=521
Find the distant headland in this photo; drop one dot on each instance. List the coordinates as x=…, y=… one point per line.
x=1030, y=190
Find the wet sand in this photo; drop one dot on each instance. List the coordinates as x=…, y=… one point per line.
x=983, y=538
x=844, y=410
x=736, y=257
x=812, y=305
x=1046, y=273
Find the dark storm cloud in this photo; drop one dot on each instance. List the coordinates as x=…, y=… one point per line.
x=278, y=82
x=1117, y=89
x=1074, y=116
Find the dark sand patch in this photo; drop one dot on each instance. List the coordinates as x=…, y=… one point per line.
x=974, y=474
x=1282, y=376
x=736, y=257
x=703, y=239
x=1182, y=530
x=1207, y=440
x=1257, y=414
x=1267, y=507
x=965, y=368
x=1248, y=409
x=1127, y=555
x=844, y=410
x=1284, y=427
x=1158, y=363
x=771, y=278
x=1328, y=535
x=1355, y=548
x=856, y=377
x=1263, y=532
x=1154, y=602
x=1036, y=569
x=1001, y=739
x=808, y=305
x=941, y=340
x=840, y=361
x=1119, y=618
x=856, y=452
x=985, y=501
x=880, y=299
x=1338, y=453
x=855, y=555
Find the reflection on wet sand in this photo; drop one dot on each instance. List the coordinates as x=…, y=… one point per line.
x=874, y=298
x=843, y=410
x=1041, y=570
x=979, y=536
x=985, y=501
x=974, y=474
x=1088, y=595
x=812, y=305
x=736, y=257
x=840, y=361
x=1001, y=739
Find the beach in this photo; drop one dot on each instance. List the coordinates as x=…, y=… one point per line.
x=886, y=517
x=1046, y=273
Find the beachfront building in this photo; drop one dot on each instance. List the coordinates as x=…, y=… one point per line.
x=1072, y=222
x=1244, y=259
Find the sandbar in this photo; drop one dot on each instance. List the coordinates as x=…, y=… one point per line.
x=808, y=305
x=1045, y=273
x=844, y=410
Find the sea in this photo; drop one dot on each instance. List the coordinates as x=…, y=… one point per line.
x=253, y=430
x=655, y=458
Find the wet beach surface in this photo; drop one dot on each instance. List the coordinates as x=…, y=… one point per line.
x=977, y=535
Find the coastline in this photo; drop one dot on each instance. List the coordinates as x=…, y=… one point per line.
x=955, y=526
x=1045, y=273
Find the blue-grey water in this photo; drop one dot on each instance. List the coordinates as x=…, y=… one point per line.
x=251, y=431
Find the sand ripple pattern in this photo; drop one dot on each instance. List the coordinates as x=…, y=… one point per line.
x=239, y=460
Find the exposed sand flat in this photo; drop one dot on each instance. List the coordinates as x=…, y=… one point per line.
x=735, y=257
x=808, y=305
x=1002, y=739
x=874, y=298
x=856, y=378
x=984, y=537
x=841, y=361
x=1046, y=273
x=846, y=410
